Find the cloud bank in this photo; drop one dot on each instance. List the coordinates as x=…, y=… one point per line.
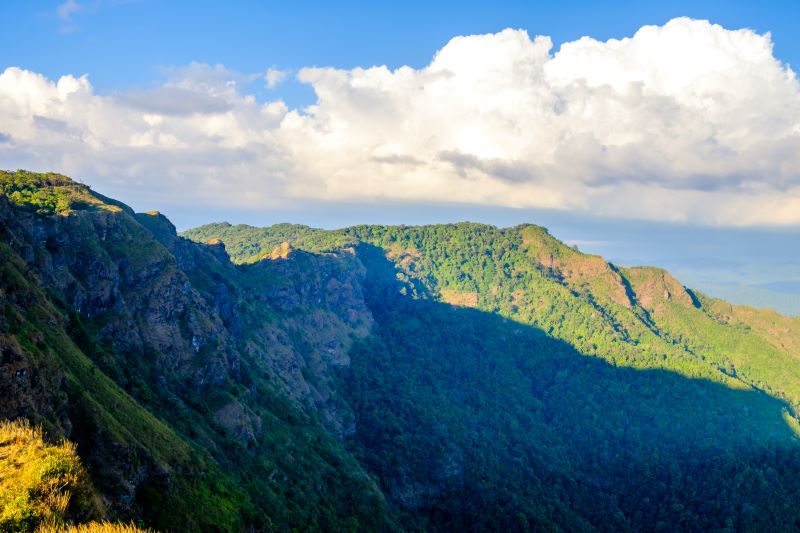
x=688, y=122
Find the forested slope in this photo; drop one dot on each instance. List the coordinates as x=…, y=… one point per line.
x=450, y=377
x=617, y=397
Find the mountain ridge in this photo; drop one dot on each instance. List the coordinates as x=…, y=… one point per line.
x=654, y=287
x=386, y=378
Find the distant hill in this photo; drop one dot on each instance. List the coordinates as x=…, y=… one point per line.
x=445, y=378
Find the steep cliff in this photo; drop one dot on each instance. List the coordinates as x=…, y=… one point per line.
x=198, y=393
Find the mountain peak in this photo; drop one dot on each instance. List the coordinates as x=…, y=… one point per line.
x=52, y=193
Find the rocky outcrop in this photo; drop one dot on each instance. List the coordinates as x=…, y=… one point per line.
x=581, y=272
x=171, y=324
x=654, y=288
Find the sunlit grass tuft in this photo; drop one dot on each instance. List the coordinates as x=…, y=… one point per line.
x=40, y=483
x=94, y=527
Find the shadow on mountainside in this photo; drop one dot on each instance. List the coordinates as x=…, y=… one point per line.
x=197, y=392
x=474, y=422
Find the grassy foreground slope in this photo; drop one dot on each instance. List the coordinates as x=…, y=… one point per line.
x=44, y=487
x=40, y=483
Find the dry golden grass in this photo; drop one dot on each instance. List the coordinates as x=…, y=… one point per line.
x=94, y=527
x=40, y=483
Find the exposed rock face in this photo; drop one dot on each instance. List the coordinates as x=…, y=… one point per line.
x=280, y=252
x=582, y=272
x=655, y=287
x=108, y=268
x=137, y=282
x=320, y=304
x=237, y=422
x=177, y=326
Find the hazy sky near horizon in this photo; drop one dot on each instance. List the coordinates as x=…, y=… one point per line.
x=663, y=134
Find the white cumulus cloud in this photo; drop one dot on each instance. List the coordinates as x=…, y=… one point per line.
x=688, y=121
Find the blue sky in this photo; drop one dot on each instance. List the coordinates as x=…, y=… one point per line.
x=175, y=114
x=129, y=43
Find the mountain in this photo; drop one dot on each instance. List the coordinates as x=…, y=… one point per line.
x=447, y=377
x=184, y=396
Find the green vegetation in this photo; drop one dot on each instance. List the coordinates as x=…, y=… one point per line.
x=44, y=488
x=470, y=421
x=48, y=193
x=576, y=372
x=248, y=244
x=98, y=404
x=628, y=317
x=446, y=377
x=239, y=454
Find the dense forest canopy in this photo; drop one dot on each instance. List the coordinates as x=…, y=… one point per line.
x=642, y=323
